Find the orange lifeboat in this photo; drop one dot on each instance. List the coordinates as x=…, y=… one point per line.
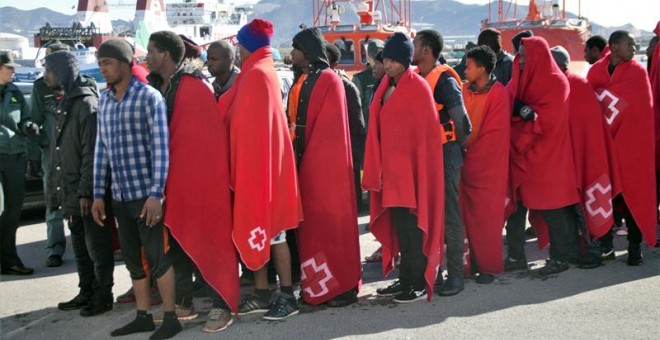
x=353, y=38
x=547, y=21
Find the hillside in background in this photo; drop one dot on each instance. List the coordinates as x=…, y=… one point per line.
x=449, y=17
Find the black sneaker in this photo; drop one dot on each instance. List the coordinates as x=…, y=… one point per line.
x=453, y=285
x=553, y=267
x=410, y=295
x=391, y=290
x=511, y=264
x=634, y=254
x=54, y=261
x=590, y=262
x=607, y=254
x=285, y=307
x=252, y=304
x=98, y=305
x=78, y=302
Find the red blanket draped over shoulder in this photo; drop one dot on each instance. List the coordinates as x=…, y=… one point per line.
x=485, y=175
x=403, y=168
x=328, y=240
x=655, y=86
x=262, y=167
x=626, y=103
x=198, y=203
x=542, y=169
x=592, y=151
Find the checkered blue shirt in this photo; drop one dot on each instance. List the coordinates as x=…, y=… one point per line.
x=132, y=142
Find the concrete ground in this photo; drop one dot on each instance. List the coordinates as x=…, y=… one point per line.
x=614, y=301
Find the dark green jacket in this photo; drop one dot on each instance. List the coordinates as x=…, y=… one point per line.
x=43, y=106
x=365, y=81
x=14, y=113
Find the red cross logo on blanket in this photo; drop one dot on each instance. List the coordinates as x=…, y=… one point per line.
x=258, y=239
x=598, y=200
x=606, y=97
x=316, y=278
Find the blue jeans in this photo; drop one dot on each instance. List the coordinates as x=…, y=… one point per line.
x=55, y=239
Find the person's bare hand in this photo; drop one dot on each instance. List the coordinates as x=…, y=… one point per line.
x=85, y=206
x=152, y=211
x=98, y=211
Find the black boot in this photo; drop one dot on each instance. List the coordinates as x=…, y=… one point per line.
x=99, y=304
x=343, y=300
x=634, y=254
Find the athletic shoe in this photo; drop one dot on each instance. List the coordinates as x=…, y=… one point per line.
x=219, y=320
x=553, y=266
x=252, y=304
x=607, y=254
x=410, y=295
x=511, y=264
x=391, y=290
x=285, y=307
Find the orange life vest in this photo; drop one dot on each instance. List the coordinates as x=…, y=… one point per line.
x=447, y=129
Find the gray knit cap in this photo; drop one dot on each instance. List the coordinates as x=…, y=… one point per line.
x=117, y=49
x=561, y=57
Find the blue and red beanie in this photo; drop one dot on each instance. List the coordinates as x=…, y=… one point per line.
x=255, y=35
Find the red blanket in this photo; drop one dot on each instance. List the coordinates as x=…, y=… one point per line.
x=198, y=204
x=403, y=168
x=626, y=102
x=592, y=147
x=542, y=169
x=484, y=177
x=328, y=240
x=262, y=167
x=655, y=86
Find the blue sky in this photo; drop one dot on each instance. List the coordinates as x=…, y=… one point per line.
x=643, y=14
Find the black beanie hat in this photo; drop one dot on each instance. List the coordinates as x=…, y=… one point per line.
x=400, y=48
x=117, y=49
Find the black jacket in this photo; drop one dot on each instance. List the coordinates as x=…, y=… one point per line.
x=72, y=146
x=356, y=123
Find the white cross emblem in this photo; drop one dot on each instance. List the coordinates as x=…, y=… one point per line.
x=316, y=269
x=603, y=205
x=613, y=111
x=258, y=239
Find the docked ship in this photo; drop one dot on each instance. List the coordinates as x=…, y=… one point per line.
x=353, y=38
x=547, y=20
x=203, y=21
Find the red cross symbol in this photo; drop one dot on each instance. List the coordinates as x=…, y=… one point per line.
x=317, y=279
x=258, y=239
x=598, y=200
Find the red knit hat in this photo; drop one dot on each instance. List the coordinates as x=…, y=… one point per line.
x=256, y=34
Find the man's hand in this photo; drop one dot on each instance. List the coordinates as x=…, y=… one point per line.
x=32, y=128
x=85, y=206
x=98, y=211
x=152, y=211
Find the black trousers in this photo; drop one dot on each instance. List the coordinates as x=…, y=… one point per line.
x=634, y=234
x=413, y=261
x=183, y=271
x=562, y=228
x=92, y=247
x=136, y=239
x=454, y=232
x=12, y=178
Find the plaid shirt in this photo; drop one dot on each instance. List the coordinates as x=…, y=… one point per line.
x=132, y=141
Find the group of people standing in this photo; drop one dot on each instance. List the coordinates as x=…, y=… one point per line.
x=206, y=177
